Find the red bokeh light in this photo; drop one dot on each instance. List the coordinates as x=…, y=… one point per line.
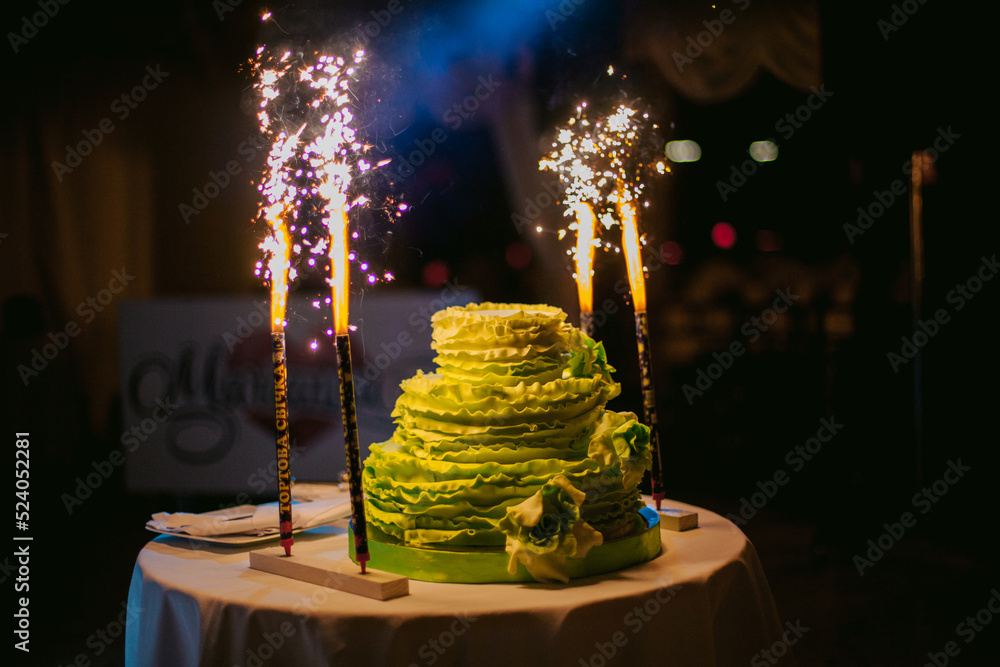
x=518, y=255
x=671, y=253
x=723, y=235
x=435, y=273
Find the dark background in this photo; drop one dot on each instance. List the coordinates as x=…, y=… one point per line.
x=826, y=358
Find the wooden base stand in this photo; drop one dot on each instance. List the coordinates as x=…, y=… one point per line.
x=340, y=575
x=678, y=520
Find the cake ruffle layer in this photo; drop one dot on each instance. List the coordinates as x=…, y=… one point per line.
x=493, y=372
x=495, y=322
x=435, y=397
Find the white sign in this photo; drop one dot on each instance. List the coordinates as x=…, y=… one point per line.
x=198, y=393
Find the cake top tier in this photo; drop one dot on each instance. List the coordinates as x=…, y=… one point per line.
x=495, y=323
x=504, y=343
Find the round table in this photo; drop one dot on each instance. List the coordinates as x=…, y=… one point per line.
x=703, y=601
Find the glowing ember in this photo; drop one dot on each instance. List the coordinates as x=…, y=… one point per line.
x=574, y=157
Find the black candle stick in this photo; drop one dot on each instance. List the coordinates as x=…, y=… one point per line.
x=637, y=280
x=347, y=407
x=649, y=404
x=282, y=439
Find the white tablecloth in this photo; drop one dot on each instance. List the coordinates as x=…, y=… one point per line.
x=703, y=602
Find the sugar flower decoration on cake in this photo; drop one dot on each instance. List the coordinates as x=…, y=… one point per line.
x=590, y=359
x=546, y=529
x=621, y=436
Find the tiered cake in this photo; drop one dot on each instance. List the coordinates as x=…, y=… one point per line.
x=509, y=444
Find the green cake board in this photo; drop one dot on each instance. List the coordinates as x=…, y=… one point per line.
x=489, y=566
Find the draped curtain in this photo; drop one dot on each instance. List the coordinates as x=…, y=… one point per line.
x=713, y=53
x=74, y=247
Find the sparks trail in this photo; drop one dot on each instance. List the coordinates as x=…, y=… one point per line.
x=308, y=110
x=601, y=162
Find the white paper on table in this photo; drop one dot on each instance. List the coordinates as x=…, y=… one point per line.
x=251, y=519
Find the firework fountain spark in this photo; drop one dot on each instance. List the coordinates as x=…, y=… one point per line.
x=602, y=163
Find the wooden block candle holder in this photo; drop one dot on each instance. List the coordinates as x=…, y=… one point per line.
x=339, y=575
x=677, y=520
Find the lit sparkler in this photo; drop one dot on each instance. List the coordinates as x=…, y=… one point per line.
x=278, y=190
x=330, y=156
x=623, y=141
x=601, y=164
x=574, y=151
x=314, y=166
x=637, y=281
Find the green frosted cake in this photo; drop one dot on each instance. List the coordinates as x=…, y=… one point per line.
x=509, y=444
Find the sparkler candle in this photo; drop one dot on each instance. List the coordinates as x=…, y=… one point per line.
x=637, y=281
x=602, y=161
x=309, y=174
x=277, y=245
x=311, y=93
x=278, y=193
x=624, y=138
x=328, y=153
x=340, y=284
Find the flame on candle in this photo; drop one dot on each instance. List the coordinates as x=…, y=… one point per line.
x=585, y=223
x=340, y=279
x=276, y=245
x=633, y=258
x=623, y=141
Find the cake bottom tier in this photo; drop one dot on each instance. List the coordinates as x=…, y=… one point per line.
x=489, y=566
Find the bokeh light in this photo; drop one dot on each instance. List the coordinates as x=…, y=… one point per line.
x=723, y=235
x=764, y=151
x=683, y=151
x=518, y=255
x=435, y=273
x=671, y=253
